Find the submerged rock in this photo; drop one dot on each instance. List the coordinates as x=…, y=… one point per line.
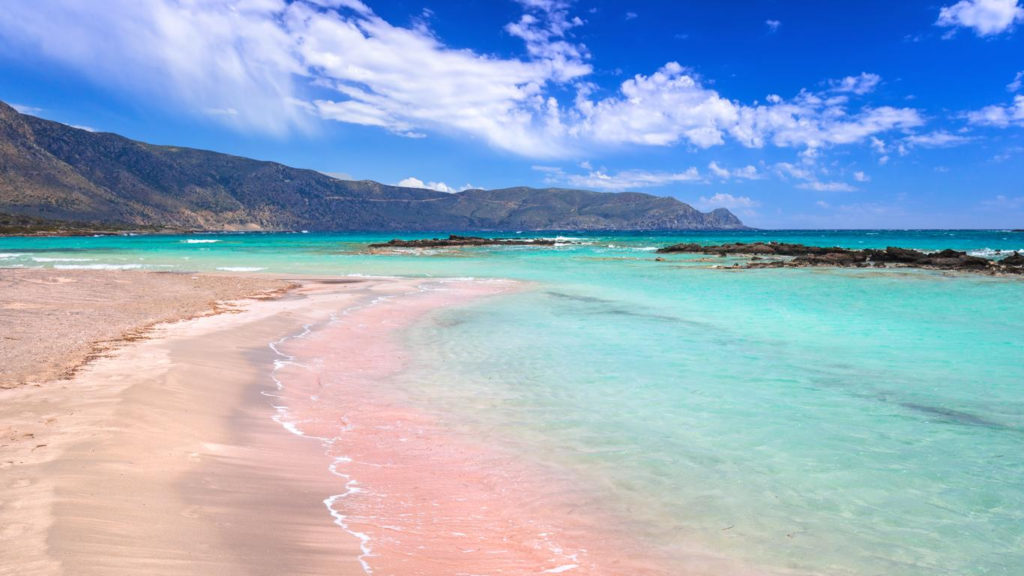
x=808, y=256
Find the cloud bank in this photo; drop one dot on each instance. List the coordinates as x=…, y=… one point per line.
x=277, y=67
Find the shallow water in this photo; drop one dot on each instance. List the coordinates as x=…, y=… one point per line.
x=803, y=421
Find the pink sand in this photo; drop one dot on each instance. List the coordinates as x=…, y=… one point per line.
x=422, y=499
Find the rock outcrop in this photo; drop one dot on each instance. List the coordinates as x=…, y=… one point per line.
x=802, y=256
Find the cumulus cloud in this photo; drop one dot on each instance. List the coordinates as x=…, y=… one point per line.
x=861, y=177
x=999, y=116
x=436, y=186
x=257, y=64
x=985, y=17
x=773, y=26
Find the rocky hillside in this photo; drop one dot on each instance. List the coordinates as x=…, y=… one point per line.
x=53, y=171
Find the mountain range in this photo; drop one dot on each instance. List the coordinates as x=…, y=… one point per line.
x=52, y=171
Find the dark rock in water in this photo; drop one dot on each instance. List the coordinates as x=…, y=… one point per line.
x=808, y=256
x=454, y=240
x=659, y=259
x=1015, y=259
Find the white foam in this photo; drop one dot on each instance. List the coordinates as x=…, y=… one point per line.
x=5, y=255
x=989, y=253
x=192, y=241
x=41, y=259
x=98, y=266
x=240, y=268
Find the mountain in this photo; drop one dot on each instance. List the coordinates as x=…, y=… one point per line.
x=56, y=172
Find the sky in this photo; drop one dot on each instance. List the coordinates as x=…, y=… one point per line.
x=792, y=114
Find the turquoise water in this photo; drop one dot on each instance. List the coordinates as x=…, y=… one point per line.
x=805, y=421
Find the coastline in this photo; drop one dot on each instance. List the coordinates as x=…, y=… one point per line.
x=161, y=459
x=167, y=456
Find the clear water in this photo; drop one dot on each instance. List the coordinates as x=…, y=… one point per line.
x=806, y=421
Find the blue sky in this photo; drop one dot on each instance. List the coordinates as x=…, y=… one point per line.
x=792, y=114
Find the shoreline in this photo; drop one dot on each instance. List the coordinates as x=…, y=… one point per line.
x=138, y=463
x=167, y=456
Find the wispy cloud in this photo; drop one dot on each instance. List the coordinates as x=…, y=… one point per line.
x=723, y=200
x=860, y=85
x=773, y=26
x=624, y=180
x=1016, y=83
x=937, y=139
x=273, y=57
x=23, y=109
x=745, y=173
x=827, y=186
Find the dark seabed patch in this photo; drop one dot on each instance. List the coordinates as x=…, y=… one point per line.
x=608, y=307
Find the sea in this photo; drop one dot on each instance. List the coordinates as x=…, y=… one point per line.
x=803, y=421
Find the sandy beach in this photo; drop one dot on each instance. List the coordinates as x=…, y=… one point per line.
x=188, y=452
x=161, y=458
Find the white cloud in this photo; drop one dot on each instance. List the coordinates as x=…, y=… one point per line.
x=1015, y=85
x=619, y=181
x=937, y=139
x=86, y=128
x=985, y=17
x=860, y=85
x=773, y=25
x=23, y=109
x=722, y=200
x=813, y=121
x=745, y=173
x=436, y=186
x=631, y=15
x=999, y=116
x=861, y=177
x=827, y=186
x=810, y=178
x=255, y=65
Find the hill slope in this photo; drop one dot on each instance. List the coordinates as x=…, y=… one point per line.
x=50, y=170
